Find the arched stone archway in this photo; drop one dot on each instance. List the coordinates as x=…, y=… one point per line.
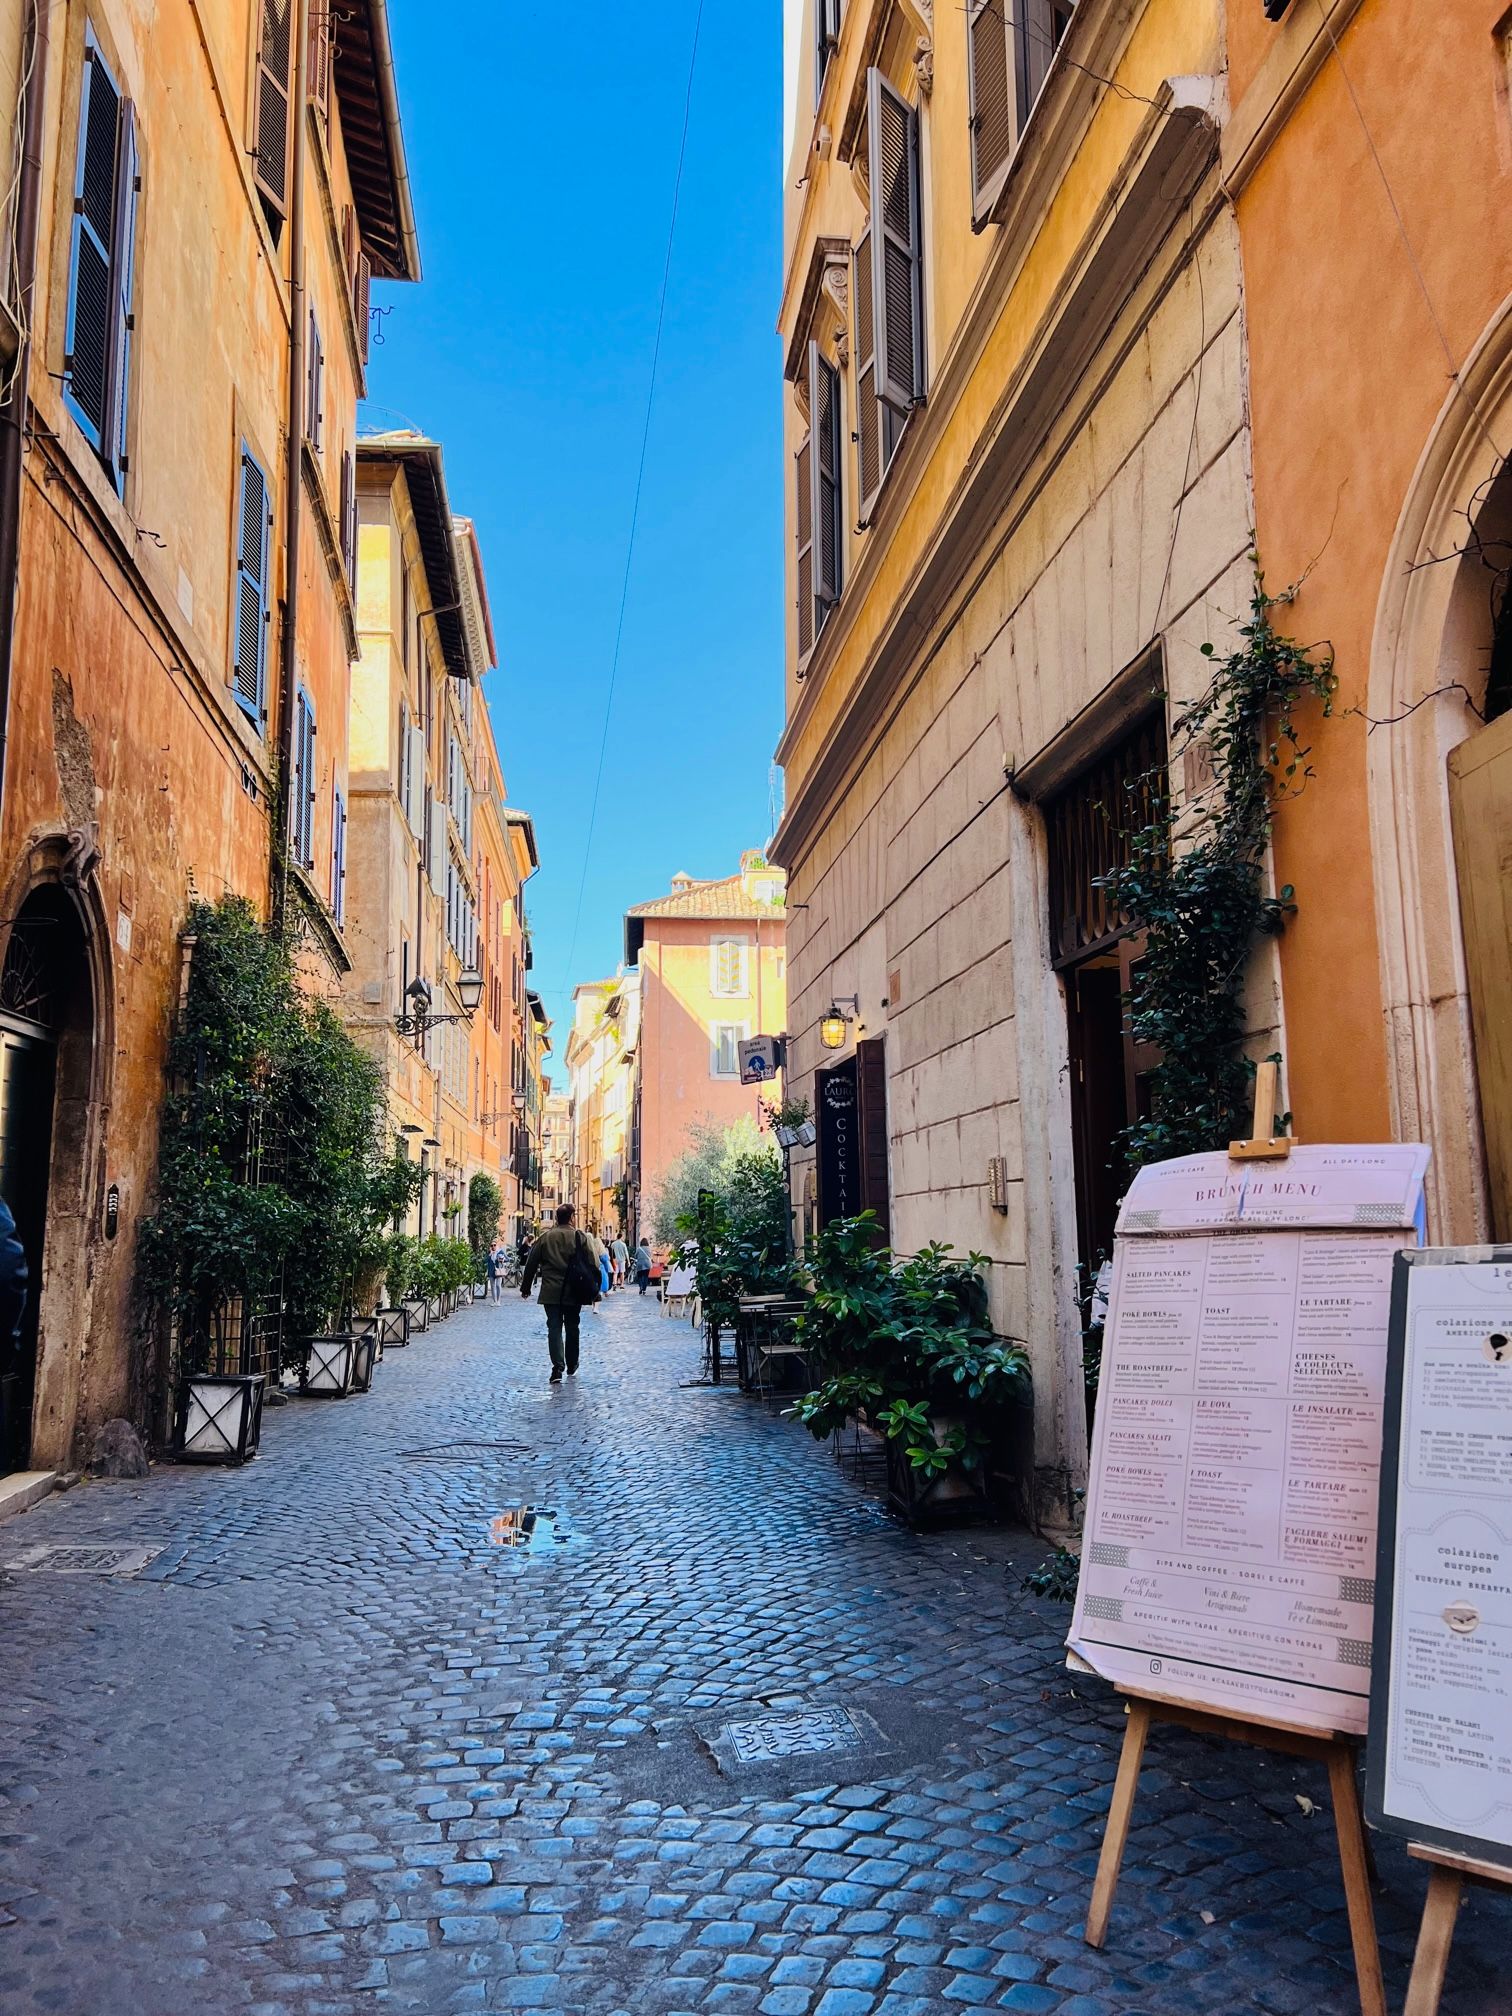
x=1428, y=678
x=55, y=1054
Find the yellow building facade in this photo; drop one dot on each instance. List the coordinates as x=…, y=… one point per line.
x=600, y=1060
x=1017, y=509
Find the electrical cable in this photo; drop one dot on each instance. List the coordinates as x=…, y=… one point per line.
x=619, y=628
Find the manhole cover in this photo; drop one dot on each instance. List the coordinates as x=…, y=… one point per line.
x=801, y=1732
x=467, y=1452
x=129, y=1557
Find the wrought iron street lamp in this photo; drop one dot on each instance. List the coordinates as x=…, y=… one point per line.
x=418, y=1017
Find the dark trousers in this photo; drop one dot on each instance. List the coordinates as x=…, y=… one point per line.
x=643, y=1276
x=562, y=1319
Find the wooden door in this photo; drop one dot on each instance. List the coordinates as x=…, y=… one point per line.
x=871, y=1089
x=1480, y=804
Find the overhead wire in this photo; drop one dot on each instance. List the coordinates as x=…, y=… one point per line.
x=640, y=474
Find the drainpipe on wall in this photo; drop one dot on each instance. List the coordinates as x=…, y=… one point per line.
x=293, y=479
x=13, y=412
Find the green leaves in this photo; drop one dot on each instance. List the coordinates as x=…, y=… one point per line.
x=1202, y=902
x=902, y=1339
x=276, y=1176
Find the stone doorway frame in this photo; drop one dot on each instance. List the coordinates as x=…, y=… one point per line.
x=68, y=860
x=1424, y=989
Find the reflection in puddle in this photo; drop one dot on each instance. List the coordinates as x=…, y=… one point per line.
x=523, y=1526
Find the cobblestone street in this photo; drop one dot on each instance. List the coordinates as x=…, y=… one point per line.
x=336, y=1748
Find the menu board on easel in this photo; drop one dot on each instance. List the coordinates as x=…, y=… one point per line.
x=1229, y=1545
x=1441, y=1711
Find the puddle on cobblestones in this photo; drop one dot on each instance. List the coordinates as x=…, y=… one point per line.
x=525, y=1526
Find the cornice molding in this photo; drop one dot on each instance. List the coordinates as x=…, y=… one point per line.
x=1301, y=47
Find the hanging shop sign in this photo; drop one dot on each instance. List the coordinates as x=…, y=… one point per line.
x=1230, y=1539
x=1440, y=1760
x=839, y=1143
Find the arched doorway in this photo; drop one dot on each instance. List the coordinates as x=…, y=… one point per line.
x=1439, y=758
x=46, y=1031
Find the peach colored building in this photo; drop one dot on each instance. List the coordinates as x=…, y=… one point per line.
x=713, y=966
x=1378, y=303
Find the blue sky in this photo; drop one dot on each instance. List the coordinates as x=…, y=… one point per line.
x=542, y=147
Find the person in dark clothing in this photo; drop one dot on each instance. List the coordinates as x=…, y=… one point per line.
x=642, y=1265
x=548, y=1260
x=12, y=1279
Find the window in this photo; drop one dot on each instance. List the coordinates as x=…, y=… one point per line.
x=338, y=856
x=270, y=118
x=1009, y=48
x=249, y=631
x=302, y=782
x=101, y=263
x=889, y=287
x=724, y=1051
x=826, y=40
x=314, y=387
x=728, y=970
x=817, y=517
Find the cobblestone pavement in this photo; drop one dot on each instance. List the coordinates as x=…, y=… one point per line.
x=337, y=1749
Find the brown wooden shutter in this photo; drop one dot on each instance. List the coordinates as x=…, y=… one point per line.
x=320, y=54
x=362, y=287
x=867, y=445
x=805, y=521
x=270, y=135
x=897, y=293
x=990, y=78
x=871, y=1100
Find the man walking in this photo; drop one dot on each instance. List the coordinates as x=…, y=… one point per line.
x=620, y=1254
x=550, y=1259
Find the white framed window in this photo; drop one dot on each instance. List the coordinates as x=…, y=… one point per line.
x=725, y=1039
x=729, y=969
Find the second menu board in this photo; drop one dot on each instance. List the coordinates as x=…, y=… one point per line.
x=1229, y=1550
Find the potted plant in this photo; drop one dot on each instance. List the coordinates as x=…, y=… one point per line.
x=908, y=1346
x=791, y=1123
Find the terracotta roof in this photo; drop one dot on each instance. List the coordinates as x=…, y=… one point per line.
x=725, y=898
x=723, y=901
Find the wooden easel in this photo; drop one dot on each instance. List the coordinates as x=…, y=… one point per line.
x=1322, y=1746
x=1446, y=1884
x=1337, y=1752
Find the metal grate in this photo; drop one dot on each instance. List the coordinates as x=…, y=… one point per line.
x=128, y=1557
x=804, y=1732
x=1088, y=828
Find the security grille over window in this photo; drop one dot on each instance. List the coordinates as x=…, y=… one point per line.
x=1088, y=826
x=25, y=985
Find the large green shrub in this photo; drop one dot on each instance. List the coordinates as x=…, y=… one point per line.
x=905, y=1340
x=275, y=1173
x=485, y=1207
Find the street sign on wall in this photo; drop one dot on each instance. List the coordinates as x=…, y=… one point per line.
x=839, y=1143
x=760, y=1059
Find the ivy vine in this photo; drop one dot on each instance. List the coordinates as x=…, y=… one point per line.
x=1195, y=881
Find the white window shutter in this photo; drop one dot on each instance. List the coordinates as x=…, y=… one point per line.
x=414, y=810
x=438, y=853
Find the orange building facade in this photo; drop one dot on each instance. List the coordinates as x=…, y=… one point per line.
x=712, y=958
x=214, y=193
x=1377, y=263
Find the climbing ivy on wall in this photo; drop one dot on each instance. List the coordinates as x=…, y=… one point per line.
x=1195, y=880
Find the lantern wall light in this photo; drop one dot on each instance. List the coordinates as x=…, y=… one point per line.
x=833, y=1026
x=416, y=1017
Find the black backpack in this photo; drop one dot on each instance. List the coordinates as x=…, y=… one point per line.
x=581, y=1283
